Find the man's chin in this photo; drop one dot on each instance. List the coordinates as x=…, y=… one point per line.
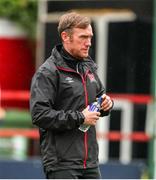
x=82, y=56
x=85, y=55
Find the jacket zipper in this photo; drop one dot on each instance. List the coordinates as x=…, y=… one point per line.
x=83, y=78
x=85, y=134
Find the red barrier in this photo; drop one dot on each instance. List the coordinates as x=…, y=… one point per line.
x=15, y=95
x=118, y=136
x=25, y=95
x=29, y=133
x=135, y=98
x=112, y=136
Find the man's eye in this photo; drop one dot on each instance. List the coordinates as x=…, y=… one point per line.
x=84, y=37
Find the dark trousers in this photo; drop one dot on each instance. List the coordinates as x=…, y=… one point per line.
x=91, y=173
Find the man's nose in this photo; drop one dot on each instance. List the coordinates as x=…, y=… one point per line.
x=88, y=42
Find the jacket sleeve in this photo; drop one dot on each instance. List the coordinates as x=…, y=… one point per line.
x=44, y=115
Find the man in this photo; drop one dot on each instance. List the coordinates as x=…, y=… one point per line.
x=61, y=91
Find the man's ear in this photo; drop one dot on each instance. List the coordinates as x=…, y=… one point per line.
x=65, y=37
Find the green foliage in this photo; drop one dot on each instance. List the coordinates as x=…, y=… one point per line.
x=23, y=12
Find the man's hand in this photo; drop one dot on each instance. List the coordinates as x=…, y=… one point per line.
x=107, y=103
x=90, y=117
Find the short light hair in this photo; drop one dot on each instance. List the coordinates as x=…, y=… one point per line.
x=72, y=20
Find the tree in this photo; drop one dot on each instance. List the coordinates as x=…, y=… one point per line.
x=23, y=12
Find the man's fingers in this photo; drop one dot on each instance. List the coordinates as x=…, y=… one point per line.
x=103, y=96
x=107, y=103
x=107, y=106
x=106, y=100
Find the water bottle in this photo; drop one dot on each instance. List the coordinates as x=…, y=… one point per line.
x=95, y=106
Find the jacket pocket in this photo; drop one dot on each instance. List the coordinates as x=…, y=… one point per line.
x=69, y=146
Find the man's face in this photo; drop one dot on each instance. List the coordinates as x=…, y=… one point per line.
x=79, y=42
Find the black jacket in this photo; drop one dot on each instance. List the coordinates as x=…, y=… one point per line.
x=59, y=93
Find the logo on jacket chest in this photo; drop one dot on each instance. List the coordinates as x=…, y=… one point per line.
x=69, y=79
x=91, y=77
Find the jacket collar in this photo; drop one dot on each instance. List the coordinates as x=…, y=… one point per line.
x=61, y=60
